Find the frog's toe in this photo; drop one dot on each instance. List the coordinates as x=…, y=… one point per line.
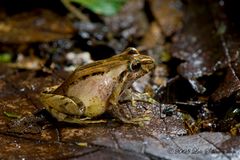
x=83, y=120
x=58, y=115
x=136, y=121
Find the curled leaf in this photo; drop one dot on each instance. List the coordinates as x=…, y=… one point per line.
x=104, y=7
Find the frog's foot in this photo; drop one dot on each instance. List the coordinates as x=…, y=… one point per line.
x=135, y=97
x=136, y=121
x=71, y=119
x=128, y=117
x=83, y=121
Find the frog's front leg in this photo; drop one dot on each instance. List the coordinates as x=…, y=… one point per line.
x=66, y=109
x=133, y=97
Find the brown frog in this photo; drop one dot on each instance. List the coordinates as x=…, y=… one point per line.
x=91, y=89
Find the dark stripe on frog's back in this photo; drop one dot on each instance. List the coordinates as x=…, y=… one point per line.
x=114, y=60
x=122, y=76
x=86, y=76
x=105, y=63
x=83, y=72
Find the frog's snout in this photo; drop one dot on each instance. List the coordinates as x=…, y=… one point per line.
x=148, y=67
x=148, y=64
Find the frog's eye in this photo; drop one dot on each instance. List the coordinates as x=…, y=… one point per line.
x=132, y=51
x=134, y=66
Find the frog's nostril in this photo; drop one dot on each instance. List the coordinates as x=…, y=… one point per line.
x=148, y=67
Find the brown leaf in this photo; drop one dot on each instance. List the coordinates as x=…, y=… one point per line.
x=113, y=137
x=168, y=14
x=35, y=26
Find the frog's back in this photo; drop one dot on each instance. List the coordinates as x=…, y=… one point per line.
x=85, y=72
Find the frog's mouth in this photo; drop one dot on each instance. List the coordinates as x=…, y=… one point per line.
x=134, y=76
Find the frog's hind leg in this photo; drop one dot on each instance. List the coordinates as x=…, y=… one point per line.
x=66, y=109
x=62, y=104
x=71, y=119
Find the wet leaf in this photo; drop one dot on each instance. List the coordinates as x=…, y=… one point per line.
x=230, y=37
x=209, y=50
x=201, y=48
x=168, y=15
x=153, y=36
x=104, y=7
x=113, y=134
x=128, y=25
x=36, y=26
x=228, y=86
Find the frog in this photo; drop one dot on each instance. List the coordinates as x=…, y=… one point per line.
x=89, y=91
